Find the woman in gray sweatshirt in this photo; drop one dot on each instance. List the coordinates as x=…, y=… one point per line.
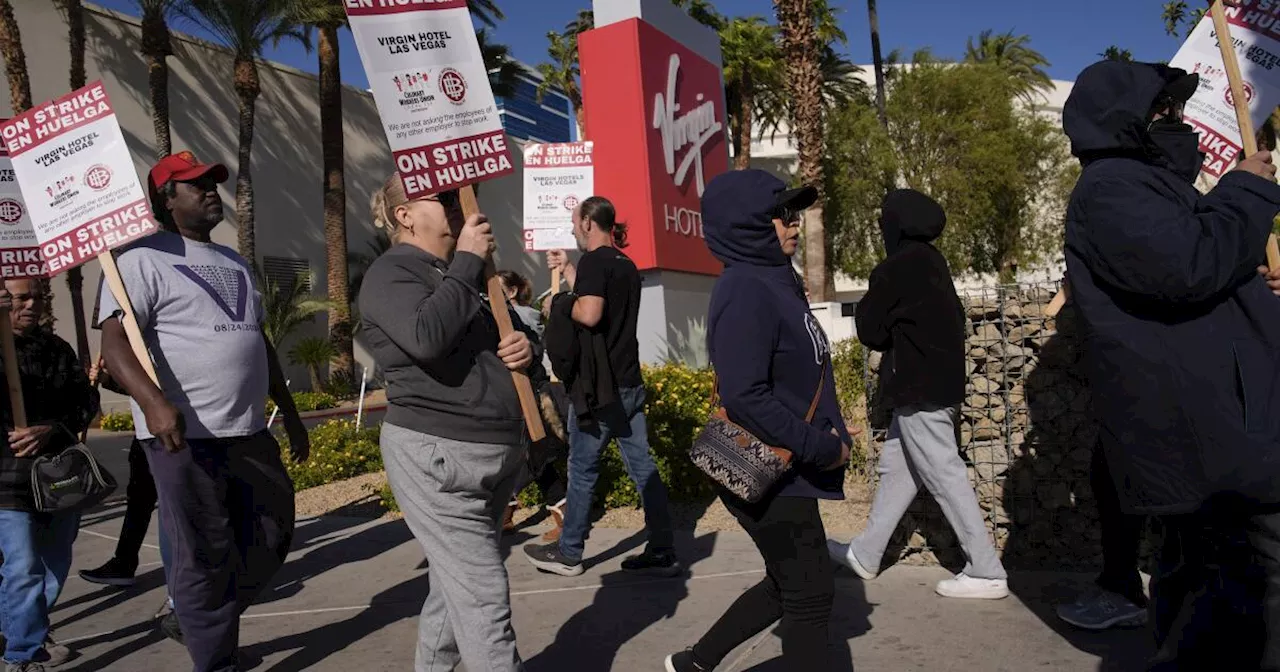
x=452, y=440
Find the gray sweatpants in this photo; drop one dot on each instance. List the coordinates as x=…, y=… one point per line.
x=452, y=495
x=921, y=449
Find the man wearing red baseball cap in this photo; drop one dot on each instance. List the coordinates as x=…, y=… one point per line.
x=226, y=501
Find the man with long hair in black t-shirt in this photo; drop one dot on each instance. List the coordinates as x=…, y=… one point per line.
x=606, y=285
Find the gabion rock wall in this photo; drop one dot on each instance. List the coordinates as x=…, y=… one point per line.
x=1026, y=433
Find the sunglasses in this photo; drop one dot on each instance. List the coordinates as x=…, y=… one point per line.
x=448, y=199
x=788, y=215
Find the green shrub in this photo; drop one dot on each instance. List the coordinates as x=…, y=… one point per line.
x=849, y=364
x=117, y=422
x=308, y=401
x=342, y=385
x=338, y=451
x=386, y=497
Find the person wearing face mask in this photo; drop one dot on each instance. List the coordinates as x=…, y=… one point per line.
x=911, y=313
x=1183, y=357
x=453, y=437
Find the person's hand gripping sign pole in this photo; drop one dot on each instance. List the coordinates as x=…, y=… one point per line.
x=1240, y=98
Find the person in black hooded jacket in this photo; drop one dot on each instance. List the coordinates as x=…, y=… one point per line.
x=911, y=313
x=1182, y=341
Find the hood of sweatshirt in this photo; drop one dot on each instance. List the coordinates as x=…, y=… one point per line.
x=907, y=214
x=738, y=208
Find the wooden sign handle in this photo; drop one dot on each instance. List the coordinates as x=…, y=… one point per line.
x=1235, y=80
x=112, y=274
x=502, y=314
x=12, y=376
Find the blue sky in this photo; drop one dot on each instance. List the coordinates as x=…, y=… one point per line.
x=1069, y=34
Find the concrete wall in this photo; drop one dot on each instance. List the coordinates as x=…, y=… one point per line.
x=286, y=154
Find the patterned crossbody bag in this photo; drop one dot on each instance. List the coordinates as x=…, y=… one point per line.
x=736, y=459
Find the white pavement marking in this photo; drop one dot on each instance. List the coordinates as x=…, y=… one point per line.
x=111, y=538
x=140, y=566
x=519, y=593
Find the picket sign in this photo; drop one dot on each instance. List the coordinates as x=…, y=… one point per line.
x=1210, y=99
x=80, y=199
x=558, y=177
x=442, y=124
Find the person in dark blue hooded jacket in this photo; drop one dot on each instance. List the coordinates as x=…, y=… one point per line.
x=771, y=357
x=1183, y=356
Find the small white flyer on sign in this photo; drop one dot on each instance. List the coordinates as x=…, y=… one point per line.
x=19, y=249
x=432, y=89
x=77, y=178
x=557, y=177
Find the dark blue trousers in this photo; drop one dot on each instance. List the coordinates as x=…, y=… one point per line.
x=227, y=508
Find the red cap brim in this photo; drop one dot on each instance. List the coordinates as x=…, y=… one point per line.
x=196, y=172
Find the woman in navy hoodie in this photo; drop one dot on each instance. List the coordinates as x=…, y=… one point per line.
x=770, y=355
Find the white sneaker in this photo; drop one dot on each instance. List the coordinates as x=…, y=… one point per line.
x=842, y=554
x=967, y=587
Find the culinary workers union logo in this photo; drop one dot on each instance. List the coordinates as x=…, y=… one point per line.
x=453, y=85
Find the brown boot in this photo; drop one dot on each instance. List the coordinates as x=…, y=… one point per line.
x=509, y=519
x=556, y=513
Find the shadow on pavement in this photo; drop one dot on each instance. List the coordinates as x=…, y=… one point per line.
x=623, y=607
x=1120, y=650
x=149, y=636
x=334, y=547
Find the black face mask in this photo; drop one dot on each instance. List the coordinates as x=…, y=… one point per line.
x=1180, y=146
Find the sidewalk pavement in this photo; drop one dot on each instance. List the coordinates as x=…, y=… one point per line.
x=349, y=597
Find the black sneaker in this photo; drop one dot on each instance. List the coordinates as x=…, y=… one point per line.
x=170, y=627
x=548, y=558
x=653, y=563
x=684, y=662
x=114, y=573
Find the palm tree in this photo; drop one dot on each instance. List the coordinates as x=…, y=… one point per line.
x=877, y=60
x=504, y=71
x=327, y=17
x=804, y=79
x=246, y=26
x=75, y=277
x=1114, y=53
x=562, y=74
x=703, y=12
x=284, y=309
x=313, y=353
x=484, y=11
x=15, y=68
x=752, y=61
x=1012, y=54
x=15, y=60
x=157, y=48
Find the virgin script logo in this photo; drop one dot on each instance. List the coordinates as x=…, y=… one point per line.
x=690, y=131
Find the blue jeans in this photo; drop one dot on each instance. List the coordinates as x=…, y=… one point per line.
x=37, y=558
x=623, y=420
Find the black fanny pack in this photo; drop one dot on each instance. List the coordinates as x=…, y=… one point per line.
x=72, y=480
